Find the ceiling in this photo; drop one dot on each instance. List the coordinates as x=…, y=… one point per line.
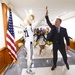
x=57, y=8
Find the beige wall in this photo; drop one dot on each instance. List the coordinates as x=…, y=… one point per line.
x=2, y=41
x=70, y=25
x=16, y=22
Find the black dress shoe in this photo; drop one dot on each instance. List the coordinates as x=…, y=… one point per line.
x=67, y=66
x=53, y=67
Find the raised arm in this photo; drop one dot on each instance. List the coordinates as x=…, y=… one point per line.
x=47, y=18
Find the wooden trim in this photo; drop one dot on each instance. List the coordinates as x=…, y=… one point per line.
x=5, y=22
x=17, y=42
x=72, y=44
x=3, y=69
x=3, y=48
x=3, y=63
x=5, y=59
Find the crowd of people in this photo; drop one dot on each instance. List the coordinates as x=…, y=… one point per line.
x=40, y=38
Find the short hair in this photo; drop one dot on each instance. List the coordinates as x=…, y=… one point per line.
x=59, y=19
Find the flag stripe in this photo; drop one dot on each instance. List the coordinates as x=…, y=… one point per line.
x=11, y=46
x=8, y=40
x=12, y=51
x=10, y=36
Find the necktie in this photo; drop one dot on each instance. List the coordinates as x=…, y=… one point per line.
x=58, y=30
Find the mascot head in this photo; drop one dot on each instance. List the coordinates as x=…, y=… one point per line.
x=30, y=18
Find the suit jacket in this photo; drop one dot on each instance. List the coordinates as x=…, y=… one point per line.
x=53, y=35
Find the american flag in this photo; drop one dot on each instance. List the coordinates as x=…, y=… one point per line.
x=10, y=38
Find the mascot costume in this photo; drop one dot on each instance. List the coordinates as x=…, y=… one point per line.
x=28, y=36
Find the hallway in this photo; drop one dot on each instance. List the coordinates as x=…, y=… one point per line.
x=42, y=63
x=27, y=20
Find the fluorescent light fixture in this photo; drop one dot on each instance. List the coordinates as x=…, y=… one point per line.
x=64, y=13
x=30, y=11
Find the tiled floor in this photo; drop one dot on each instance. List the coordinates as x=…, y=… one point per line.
x=42, y=63
x=47, y=71
x=47, y=53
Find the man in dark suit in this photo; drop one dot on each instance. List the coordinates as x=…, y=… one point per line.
x=57, y=36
